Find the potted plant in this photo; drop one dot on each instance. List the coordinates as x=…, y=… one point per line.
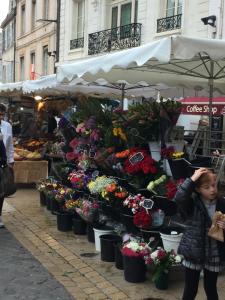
x=162, y=261
x=133, y=260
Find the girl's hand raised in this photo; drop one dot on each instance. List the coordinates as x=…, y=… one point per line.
x=198, y=173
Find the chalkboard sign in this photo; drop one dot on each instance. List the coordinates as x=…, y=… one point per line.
x=148, y=203
x=92, y=154
x=136, y=158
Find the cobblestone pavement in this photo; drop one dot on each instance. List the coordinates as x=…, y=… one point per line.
x=22, y=277
x=61, y=254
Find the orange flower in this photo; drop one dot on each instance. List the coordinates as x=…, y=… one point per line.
x=123, y=154
x=121, y=194
x=111, y=188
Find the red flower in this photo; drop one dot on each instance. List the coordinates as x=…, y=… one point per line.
x=142, y=219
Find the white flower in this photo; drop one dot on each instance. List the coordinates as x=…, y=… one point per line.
x=177, y=259
x=154, y=254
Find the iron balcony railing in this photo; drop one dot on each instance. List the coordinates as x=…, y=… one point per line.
x=122, y=37
x=169, y=23
x=77, y=43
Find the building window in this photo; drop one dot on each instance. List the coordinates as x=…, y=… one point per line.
x=32, y=65
x=33, y=13
x=45, y=60
x=173, y=7
x=78, y=20
x=46, y=9
x=22, y=68
x=23, y=20
x=122, y=14
x=114, y=17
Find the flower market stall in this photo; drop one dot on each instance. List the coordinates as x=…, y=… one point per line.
x=109, y=184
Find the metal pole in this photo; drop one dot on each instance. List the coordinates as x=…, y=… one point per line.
x=211, y=87
x=122, y=94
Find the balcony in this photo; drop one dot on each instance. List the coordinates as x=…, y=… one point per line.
x=169, y=23
x=76, y=43
x=117, y=38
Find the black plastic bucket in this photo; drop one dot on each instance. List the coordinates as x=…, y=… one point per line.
x=134, y=269
x=64, y=222
x=90, y=233
x=48, y=203
x=42, y=199
x=107, y=242
x=79, y=226
x=55, y=207
x=118, y=256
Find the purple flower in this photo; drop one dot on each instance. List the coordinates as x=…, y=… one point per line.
x=63, y=122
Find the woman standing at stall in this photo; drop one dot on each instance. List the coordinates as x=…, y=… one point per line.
x=6, y=148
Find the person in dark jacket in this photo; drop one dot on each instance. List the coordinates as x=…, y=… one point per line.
x=197, y=200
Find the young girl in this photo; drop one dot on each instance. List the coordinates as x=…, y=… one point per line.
x=197, y=200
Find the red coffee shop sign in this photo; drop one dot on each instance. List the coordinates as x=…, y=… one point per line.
x=200, y=106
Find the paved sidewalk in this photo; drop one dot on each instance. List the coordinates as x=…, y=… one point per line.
x=62, y=255
x=22, y=276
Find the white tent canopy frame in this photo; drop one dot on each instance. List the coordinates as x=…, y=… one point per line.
x=49, y=86
x=175, y=61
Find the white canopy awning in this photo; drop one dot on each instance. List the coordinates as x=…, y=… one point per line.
x=156, y=62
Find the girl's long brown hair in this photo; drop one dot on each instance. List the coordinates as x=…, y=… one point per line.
x=205, y=178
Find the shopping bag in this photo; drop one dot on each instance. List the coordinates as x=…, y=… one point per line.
x=215, y=231
x=7, y=180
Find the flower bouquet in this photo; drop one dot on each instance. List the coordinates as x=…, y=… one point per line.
x=88, y=210
x=114, y=194
x=162, y=260
x=138, y=166
x=98, y=185
x=79, y=179
x=134, y=253
x=72, y=204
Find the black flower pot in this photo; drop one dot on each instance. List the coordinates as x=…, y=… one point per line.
x=118, y=256
x=90, y=233
x=64, y=222
x=79, y=226
x=134, y=269
x=107, y=242
x=48, y=203
x=55, y=207
x=42, y=199
x=127, y=220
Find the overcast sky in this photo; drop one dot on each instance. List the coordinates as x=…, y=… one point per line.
x=4, y=9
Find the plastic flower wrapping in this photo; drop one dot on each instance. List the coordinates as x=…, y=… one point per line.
x=98, y=185
x=88, y=210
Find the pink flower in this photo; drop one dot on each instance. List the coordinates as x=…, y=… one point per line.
x=70, y=155
x=74, y=143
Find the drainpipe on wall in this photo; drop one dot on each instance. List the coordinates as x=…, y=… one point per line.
x=14, y=51
x=57, y=33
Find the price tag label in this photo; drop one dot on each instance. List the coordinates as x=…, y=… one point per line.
x=148, y=203
x=92, y=154
x=136, y=158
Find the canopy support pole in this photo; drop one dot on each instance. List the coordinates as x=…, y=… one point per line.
x=211, y=87
x=122, y=94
